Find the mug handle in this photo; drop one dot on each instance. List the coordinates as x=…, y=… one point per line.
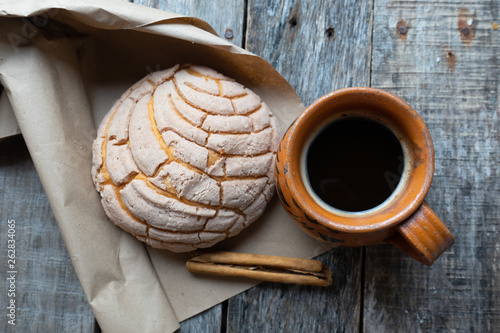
x=423, y=236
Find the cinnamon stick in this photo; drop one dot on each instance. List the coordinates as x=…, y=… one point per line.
x=262, y=267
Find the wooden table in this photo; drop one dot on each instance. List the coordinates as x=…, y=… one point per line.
x=442, y=58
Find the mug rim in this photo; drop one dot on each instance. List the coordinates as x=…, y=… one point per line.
x=419, y=143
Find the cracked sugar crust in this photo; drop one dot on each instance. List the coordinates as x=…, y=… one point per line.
x=185, y=158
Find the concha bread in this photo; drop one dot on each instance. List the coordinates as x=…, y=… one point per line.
x=185, y=158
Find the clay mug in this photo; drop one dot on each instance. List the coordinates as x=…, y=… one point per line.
x=403, y=219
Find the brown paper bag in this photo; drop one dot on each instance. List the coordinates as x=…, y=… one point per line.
x=62, y=69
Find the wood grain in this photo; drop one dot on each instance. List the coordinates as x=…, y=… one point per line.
x=314, y=48
x=48, y=295
x=442, y=58
x=207, y=321
x=226, y=17
x=318, y=46
x=272, y=307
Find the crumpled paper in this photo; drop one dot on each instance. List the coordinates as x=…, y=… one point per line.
x=62, y=66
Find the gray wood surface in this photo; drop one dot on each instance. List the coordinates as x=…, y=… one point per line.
x=318, y=46
x=442, y=58
x=309, y=44
x=48, y=296
x=446, y=66
x=226, y=17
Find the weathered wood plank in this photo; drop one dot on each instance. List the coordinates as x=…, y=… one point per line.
x=48, y=296
x=442, y=58
x=206, y=322
x=318, y=47
x=272, y=307
x=226, y=17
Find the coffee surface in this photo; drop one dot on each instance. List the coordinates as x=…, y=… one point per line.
x=354, y=164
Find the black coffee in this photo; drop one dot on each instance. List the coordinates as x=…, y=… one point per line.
x=354, y=164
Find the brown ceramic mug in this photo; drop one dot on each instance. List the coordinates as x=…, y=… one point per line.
x=332, y=164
